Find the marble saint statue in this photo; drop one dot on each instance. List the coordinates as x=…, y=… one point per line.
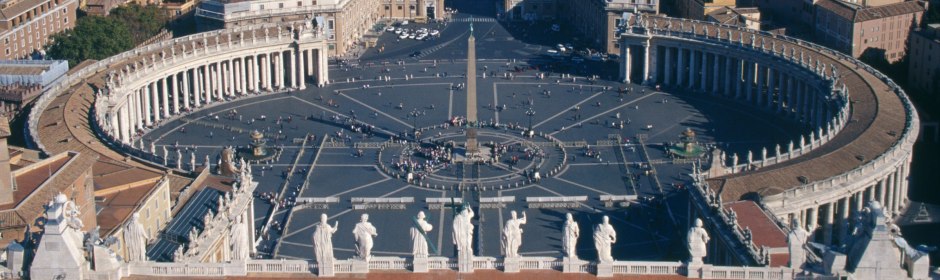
x=796, y=241
x=463, y=233
x=698, y=240
x=418, y=236
x=604, y=236
x=323, y=241
x=240, y=243
x=570, y=240
x=135, y=239
x=364, y=232
x=512, y=235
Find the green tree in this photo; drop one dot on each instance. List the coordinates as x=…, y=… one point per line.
x=143, y=21
x=92, y=38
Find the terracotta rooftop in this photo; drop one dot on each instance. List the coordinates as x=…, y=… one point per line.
x=764, y=230
x=112, y=174
x=28, y=179
x=114, y=207
x=857, y=13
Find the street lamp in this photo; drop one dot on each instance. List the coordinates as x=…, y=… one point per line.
x=531, y=113
x=414, y=122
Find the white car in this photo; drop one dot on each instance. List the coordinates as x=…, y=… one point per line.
x=390, y=29
x=404, y=22
x=560, y=48
x=403, y=36
x=411, y=36
x=421, y=37
x=435, y=32
x=551, y=52
x=398, y=31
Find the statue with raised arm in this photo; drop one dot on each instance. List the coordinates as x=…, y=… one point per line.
x=364, y=232
x=463, y=232
x=698, y=239
x=604, y=237
x=796, y=241
x=323, y=242
x=419, y=234
x=570, y=240
x=512, y=235
x=135, y=239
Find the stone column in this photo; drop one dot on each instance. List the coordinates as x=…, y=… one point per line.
x=899, y=193
x=781, y=93
x=703, y=66
x=811, y=223
x=761, y=82
x=198, y=87
x=155, y=102
x=843, y=219
x=122, y=124
x=679, y=72
x=648, y=65
x=136, y=115
x=626, y=64
x=145, y=97
x=827, y=223
x=165, y=97
x=311, y=69
x=880, y=193
x=302, y=79
x=729, y=74
x=322, y=70
x=229, y=78
x=185, y=86
x=749, y=80
x=206, y=82
x=176, y=93
x=279, y=68
x=266, y=71
x=791, y=95
x=293, y=68
x=716, y=73
x=859, y=201
x=667, y=73
x=692, y=77
x=253, y=74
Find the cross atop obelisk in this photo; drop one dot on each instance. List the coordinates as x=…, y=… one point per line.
x=472, y=147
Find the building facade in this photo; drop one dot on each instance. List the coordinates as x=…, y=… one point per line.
x=699, y=9
x=924, y=74
x=530, y=9
x=343, y=22
x=26, y=25
x=875, y=29
x=745, y=17
x=599, y=21
x=420, y=10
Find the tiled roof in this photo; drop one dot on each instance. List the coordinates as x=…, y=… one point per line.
x=764, y=230
x=856, y=13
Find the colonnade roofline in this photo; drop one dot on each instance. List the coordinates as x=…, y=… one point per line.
x=881, y=124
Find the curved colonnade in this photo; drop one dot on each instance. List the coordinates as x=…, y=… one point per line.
x=178, y=76
x=862, y=125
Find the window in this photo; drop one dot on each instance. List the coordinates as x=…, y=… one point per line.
x=280, y=5
x=262, y=7
x=300, y=3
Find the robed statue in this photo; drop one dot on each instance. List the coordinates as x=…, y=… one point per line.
x=512, y=235
x=364, y=232
x=604, y=237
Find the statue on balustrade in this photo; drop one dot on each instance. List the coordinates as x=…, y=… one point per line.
x=323, y=241
x=512, y=235
x=240, y=243
x=796, y=243
x=463, y=232
x=698, y=240
x=419, y=234
x=364, y=232
x=570, y=240
x=135, y=239
x=604, y=237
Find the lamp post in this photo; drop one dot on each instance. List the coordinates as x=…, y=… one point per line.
x=531, y=113
x=414, y=122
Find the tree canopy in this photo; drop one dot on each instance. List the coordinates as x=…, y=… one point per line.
x=92, y=38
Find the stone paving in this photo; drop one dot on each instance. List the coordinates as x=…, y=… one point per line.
x=338, y=162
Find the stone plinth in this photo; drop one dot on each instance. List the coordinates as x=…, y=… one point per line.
x=325, y=269
x=512, y=265
x=419, y=264
x=465, y=264
x=359, y=266
x=605, y=269
x=572, y=265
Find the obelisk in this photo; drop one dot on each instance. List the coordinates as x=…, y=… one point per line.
x=472, y=147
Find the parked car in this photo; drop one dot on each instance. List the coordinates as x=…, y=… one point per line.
x=390, y=29
x=403, y=36
x=404, y=22
x=397, y=30
x=434, y=32
x=560, y=48
x=421, y=37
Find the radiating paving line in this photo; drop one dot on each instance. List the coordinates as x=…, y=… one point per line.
x=567, y=109
x=605, y=112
